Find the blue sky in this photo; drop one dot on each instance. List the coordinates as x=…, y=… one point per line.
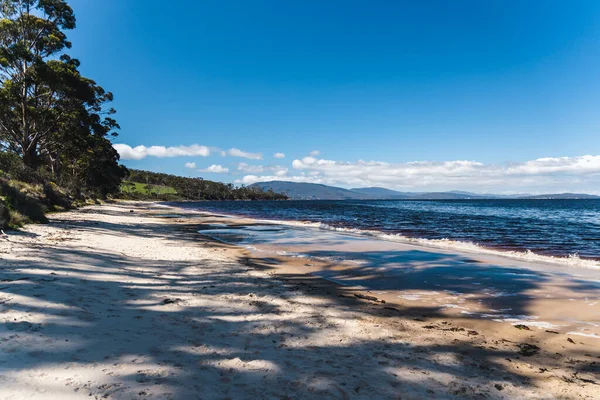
x=435, y=95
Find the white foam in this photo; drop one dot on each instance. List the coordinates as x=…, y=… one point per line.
x=537, y=324
x=587, y=323
x=573, y=260
x=513, y=319
x=591, y=335
x=453, y=306
x=501, y=294
x=411, y=297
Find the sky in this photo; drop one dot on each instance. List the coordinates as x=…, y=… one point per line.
x=485, y=96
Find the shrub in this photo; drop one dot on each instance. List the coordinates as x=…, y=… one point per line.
x=23, y=203
x=4, y=214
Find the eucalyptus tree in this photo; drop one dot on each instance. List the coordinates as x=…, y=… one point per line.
x=50, y=114
x=31, y=33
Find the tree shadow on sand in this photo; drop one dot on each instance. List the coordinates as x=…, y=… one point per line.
x=225, y=329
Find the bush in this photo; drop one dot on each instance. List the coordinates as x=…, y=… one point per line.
x=55, y=198
x=4, y=214
x=23, y=203
x=17, y=220
x=13, y=168
x=27, y=194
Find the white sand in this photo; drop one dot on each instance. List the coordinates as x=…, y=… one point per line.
x=82, y=314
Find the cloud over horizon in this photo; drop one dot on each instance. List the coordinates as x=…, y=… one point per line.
x=549, y=173
x=546, y=174
x=277, y=170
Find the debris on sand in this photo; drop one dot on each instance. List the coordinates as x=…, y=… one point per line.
x=370, y=298
x=527, y=349
x=522, y=327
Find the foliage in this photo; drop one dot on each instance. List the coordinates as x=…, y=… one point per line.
x=51, y=117
x=144, y=185
x=22, y=203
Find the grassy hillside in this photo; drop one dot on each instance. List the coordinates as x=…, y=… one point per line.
x=146, y=189
x=148, y=185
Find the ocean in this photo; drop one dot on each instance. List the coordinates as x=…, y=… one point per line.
x=567, y=229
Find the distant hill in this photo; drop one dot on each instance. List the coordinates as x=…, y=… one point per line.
x=310, y=191
x=381, y=193
x=454, y=195
x=565, y=196
x=386, y=194
x=313, y=191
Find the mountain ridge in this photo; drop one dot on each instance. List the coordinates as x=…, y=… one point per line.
x=316, y=191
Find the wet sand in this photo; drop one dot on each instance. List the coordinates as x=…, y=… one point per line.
x=542, y=296
x=107, y=303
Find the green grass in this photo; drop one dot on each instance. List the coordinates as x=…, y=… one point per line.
x=142, y=188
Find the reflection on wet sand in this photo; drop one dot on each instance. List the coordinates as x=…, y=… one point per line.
x=543, y=295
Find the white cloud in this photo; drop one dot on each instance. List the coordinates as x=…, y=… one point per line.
x=299, y=164
x=540, y=175
x=250, y=179
x=250, y=169
x=239, y=153
x=215, y=168
x=583, y=164
x=139, y=152
x=281, y=172
x=277, y=170
x=549, y=174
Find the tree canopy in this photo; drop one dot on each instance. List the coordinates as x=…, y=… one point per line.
x=51, y=116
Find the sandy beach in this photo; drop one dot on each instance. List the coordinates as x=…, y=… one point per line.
x=129, y=301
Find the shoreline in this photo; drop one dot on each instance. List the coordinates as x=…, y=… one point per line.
x=103, y=302
x=519, y=293
x=571, y=260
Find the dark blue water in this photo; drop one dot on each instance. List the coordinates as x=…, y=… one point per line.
x=548, y=227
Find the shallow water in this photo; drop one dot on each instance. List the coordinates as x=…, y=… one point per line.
x=555, y=228
x=471, y=285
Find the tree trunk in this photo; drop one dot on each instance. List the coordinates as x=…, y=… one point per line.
x=30, y=158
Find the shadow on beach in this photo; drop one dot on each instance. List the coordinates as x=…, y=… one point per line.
x=214, y=329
